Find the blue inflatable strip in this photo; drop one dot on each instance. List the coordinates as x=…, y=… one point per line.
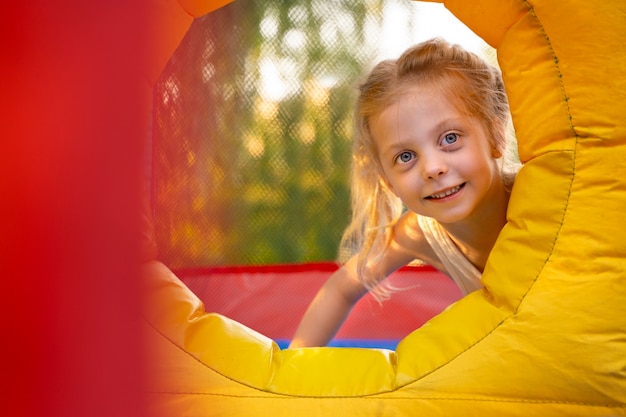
x=363, y=343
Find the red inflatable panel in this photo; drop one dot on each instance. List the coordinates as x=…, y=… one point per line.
x=272, y=300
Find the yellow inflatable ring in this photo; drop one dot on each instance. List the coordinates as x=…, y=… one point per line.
x=547, y=335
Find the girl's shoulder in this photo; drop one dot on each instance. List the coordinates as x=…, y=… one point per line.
x=409, y=238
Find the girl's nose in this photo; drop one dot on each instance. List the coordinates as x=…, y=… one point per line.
x=434, y=167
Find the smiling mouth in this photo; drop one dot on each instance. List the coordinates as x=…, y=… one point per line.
x=446, y=193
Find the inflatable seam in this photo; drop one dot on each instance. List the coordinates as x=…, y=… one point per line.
x=504, y=400
x=411, y=397
x=187, y=353
x=574, y=152
x=204, y=364
x=186, y=11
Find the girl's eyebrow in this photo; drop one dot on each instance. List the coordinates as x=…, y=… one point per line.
x=385, y=152
x=447, y=124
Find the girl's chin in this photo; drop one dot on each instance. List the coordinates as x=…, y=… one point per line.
x=454, y=215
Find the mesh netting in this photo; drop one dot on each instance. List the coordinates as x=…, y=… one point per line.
x=252, y=129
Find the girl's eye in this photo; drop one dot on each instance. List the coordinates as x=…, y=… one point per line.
x=449, y=139
x=405, y=157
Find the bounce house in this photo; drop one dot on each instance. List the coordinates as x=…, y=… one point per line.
x=547, y=333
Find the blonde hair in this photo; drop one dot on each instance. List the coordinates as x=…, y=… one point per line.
x=435, y=63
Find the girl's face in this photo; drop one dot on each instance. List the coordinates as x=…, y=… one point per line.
x=436, y=158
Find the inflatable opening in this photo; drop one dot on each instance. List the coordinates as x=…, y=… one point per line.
x=250, y=152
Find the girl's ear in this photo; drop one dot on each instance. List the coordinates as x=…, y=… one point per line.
x=495, y=152
x=498, y=143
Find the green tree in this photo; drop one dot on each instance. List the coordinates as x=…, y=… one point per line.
x=253, y=122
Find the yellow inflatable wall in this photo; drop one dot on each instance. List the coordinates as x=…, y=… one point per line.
x=546, y=336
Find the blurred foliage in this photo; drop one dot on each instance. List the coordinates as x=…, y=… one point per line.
x=252, y=129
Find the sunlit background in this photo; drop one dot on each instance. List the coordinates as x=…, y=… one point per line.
x=405, y=24
x=253, y=123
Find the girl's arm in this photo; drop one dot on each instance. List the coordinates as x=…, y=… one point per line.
x=339, y=294
x=329, y=308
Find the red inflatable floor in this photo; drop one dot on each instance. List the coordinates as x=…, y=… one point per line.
x=272, y=299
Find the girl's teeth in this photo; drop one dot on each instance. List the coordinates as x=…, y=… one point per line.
x=447, y=193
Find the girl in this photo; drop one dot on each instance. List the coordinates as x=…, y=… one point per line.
x=427, y=178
